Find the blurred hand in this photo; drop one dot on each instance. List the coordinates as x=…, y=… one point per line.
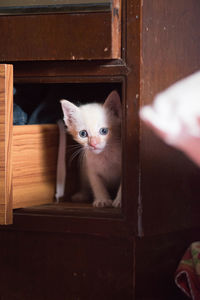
x=175, y=116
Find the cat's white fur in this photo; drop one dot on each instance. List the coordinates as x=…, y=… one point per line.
x=101, y=168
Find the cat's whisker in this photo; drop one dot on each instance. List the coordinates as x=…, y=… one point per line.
x=72, y=147
x=81, y=157
x=75, y=154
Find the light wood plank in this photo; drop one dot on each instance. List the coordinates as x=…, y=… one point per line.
x=116, y=29
x=6, y=119
x=35, y=149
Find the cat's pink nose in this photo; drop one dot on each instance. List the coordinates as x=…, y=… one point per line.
x=93, y=142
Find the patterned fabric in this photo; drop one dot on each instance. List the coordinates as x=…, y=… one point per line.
x=19, y=116
x=187, y=276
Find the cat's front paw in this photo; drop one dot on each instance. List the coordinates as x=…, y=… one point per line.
x=79, y=197
x=117, y=202
x=102, y=203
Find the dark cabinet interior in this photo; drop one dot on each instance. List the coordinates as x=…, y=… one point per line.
x=72, y=251
x=31, y=96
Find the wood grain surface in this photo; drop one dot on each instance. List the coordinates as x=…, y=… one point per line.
x=116, y=29
x=169, y=51
x=34, y=164
x=6, y=119
x=57, y=37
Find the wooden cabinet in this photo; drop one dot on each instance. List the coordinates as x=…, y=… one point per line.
x=78, y=252
x=76, y=33
x=27, y=177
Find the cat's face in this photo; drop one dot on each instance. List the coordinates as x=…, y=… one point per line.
x=94, y=125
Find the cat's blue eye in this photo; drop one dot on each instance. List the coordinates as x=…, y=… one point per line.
x=83, y=133
x=103, y=131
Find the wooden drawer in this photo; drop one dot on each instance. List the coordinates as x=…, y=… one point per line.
x=28, y=156
x=61, y=36
x=34, y=161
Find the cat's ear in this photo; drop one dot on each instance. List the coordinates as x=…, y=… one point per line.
x=70, y=112
x=113, y=104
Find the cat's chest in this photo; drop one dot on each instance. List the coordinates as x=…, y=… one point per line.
x=106, y=164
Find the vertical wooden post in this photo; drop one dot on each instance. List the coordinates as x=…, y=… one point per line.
x=116, y=29
x=6, y=124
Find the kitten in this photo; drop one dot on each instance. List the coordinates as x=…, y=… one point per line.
x=97, y=128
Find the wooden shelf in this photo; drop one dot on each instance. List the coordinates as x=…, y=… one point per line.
x=72, y=209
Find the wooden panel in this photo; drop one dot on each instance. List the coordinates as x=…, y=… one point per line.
x=170, y=51
x=65, y=267
x=35, y=150
x=6, y=119
x=116, y=29
x=59, y=37
x=157, y=258
x=130, y=136
x=70, y=71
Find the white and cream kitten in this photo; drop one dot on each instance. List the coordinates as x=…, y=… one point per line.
x=97, y=128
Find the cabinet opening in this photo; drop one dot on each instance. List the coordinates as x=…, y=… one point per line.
x=40, y=107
